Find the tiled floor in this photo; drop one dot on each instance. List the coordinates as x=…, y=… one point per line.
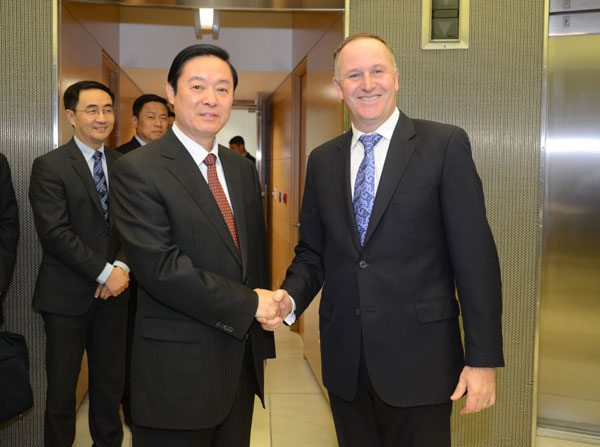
x=296, y=415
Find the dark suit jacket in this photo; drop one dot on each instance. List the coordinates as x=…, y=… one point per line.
x=76, y=244
x=396, y=294
x=9, y=228
x=129, y=146
x=195, y=297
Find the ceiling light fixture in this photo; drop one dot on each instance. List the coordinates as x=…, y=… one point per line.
x=207, y=21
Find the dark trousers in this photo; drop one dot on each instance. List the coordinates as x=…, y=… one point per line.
x=368, y=421
x=234, y=431
x=101, y=332
x=131, y=311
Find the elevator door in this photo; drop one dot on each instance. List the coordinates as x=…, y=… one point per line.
x=569, y=365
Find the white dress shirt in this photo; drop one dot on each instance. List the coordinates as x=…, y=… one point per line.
x=88, y=154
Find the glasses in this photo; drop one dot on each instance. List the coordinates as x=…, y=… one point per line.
x=95, y=111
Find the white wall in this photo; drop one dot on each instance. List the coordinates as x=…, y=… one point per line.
x=243, y=123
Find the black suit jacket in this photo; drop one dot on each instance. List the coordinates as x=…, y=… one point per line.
x=76, y=243
x=395, y=296
x=195, y=297
x=9, y=228
x=129, y=146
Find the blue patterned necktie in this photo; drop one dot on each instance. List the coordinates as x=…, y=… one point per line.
x=364, y=187
x=100, y=181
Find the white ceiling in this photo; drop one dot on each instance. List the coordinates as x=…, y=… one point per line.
x=260, y=45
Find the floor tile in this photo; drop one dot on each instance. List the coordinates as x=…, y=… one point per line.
x=301, y=420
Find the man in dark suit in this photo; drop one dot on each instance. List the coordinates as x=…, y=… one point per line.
x=81, y=275
x=237, y=144
x=194, y=235
x=393, y=218
x=150, y=119
x=9, y=228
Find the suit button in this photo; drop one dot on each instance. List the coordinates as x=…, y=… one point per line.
x=363, y=264
x=357, y=311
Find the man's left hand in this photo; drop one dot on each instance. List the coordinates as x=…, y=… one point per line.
x=480, y=386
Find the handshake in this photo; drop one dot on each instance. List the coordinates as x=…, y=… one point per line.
x=273, y=308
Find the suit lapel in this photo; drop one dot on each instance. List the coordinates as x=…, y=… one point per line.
x=82, y=168
x=234, y=187
x=341, y=176
x=188, y=174
x=399, y=153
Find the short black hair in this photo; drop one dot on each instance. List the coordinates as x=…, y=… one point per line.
x=198, y=50
x=237, y=140
x=139, y=103
x=71, y=95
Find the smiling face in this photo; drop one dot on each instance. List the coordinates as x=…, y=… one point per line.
x=204, y=98
x=92, y=128
x=367, y=82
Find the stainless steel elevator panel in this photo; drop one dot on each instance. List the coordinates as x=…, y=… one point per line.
x=569, y=362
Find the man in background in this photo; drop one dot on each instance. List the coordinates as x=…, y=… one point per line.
x=237, y=144
x=150, y=119
x=9, y=228
x=82, y=275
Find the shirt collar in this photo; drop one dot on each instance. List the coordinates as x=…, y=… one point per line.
x=142, y=142
x=87, y=151
x=197, y=151
x=386, y=130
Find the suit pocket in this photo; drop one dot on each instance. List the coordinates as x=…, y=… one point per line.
x=437, y=309
x=172, y=330
x=325, y=310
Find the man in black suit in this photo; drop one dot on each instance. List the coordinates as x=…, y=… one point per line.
x=81, y=275
x=9, y=228
x=194, y=235
x=150, y=119
x=393, y=218
x=237, y=144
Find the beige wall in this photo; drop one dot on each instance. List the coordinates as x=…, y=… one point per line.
x=494, y=91
x=89, y=36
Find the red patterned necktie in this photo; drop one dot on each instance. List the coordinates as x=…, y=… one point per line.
x=220, y=197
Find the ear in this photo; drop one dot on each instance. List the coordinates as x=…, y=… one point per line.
x=396, y=79
x=338, y=88
x=134, y=121
x=170, y=93
x=70, y=116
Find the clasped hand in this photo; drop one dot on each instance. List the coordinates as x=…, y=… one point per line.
x=116, y=283
x=273, y=307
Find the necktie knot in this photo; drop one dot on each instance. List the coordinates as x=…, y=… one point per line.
x=369, y=141
x=210, y=160
x=97, y=156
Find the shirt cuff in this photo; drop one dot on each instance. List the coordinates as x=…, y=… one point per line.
x=122, y=265
x=291, y=317
x=102, y=277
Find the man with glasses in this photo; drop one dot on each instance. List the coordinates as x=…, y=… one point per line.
x=80, y=280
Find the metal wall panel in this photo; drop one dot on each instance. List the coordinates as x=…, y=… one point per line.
x=27, y=103
x=494, y=91
x=569, y=368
